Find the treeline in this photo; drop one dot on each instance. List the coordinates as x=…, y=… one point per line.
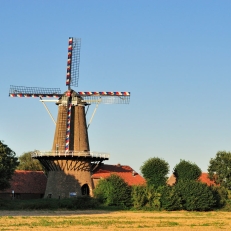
x=187, y=193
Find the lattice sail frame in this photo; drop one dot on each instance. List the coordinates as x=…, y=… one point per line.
x=107, y=99
x=73, y=60
x=104, y=97
x=21, y=91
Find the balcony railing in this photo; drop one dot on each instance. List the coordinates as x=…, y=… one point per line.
x=70, y=154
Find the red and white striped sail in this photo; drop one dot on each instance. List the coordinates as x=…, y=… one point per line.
x=91, y=97
x=73, y=60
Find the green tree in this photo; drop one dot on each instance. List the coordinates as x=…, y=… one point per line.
x=186, y=170
x=8, y=163
x=220, y=169
x=113, y=191
x=26, y=162
x=155, y=171
x=221, y=195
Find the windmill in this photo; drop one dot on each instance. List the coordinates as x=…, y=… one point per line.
x=70, y=162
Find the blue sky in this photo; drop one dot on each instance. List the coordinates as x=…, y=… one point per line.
x=173, y=56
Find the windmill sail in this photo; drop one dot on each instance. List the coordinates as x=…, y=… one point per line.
x=106, y=97
x=73, y=60
x=21, y=91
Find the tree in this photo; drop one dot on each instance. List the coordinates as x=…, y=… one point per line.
x=221, y=194
x=26, y=162
x=186, y=170
x=220, y=169
x=113, y=191
x=155, y=171
x=8, y=163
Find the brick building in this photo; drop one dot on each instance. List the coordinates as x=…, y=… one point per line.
x=26, y=185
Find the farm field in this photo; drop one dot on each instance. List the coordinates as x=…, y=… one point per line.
x=120, y=220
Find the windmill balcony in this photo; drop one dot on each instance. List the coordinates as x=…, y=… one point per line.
x=64, y=153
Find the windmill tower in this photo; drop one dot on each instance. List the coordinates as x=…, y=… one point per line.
x=70, y=162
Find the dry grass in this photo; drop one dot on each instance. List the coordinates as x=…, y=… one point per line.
x=104, y=220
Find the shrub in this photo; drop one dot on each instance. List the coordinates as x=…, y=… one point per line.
x=139, y=197
x=196, y=196
x=113, y=191
x=41, y=204
x=146, y=197
x=171, y=199
x=86, y=203
x=188, y=195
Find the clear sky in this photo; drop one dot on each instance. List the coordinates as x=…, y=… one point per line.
x=173, y=56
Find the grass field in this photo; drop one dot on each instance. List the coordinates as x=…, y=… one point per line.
x=106, y=220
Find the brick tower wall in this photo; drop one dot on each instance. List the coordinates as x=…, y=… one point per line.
x=73, y=174
x=67, y=174
x=78, y=132
x=78, y=122
x=60, y=130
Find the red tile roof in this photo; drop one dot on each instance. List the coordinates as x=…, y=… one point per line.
x=204, y=178
x=124, y=171
x=27, y=182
